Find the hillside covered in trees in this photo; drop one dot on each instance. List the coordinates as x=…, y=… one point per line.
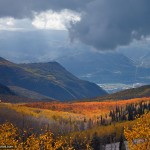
x=76, y=125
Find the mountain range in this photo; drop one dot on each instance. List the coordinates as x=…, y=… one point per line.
x=49, y=80
x=139, y=55
x=110, y=67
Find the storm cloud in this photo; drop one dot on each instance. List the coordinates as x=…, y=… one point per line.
x=104, y=24
x=107, y=24
x=25, y=8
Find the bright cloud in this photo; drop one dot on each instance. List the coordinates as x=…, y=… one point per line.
x=6, y=23
x=45, y=20
x=55, y=20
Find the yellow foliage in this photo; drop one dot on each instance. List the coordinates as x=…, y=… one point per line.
x=8, y=135
x=38, y=112
x=139, y=136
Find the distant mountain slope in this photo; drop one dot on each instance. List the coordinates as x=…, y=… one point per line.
x=143, y=91
x=141, y=55
x=7, y=95
x=28, y=93
x=110, y=67
x=49, y=79
x=15, y=99
x=5, y=90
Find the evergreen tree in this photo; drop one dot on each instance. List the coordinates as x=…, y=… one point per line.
x=90, y=123
x=121, y=143
x=76, y=144
x=95, y=142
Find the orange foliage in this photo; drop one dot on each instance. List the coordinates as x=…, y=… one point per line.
x=89, y=109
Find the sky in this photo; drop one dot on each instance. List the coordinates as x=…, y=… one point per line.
x=35, y=30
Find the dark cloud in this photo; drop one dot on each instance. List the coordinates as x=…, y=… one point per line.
x=25, y=8
x=107, y=24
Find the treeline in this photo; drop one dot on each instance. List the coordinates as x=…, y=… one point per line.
x=130, y=112
x=119, y=114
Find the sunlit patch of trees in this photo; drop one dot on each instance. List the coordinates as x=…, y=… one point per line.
x=138, y=136
x=25, y=140
x=88, y=109
x=8, y=135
